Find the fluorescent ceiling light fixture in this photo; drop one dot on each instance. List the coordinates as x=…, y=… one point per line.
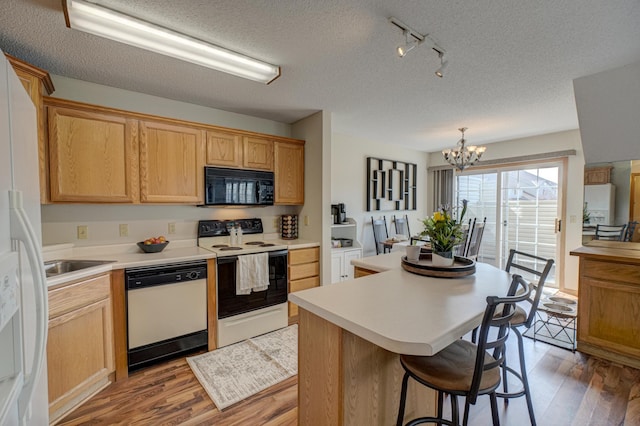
x=91, y=18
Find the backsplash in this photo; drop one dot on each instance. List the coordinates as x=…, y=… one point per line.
x=104, y=223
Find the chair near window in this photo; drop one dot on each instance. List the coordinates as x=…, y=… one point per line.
x=381, y=235
x=475, y=239
x=538, y=268
x=610, y=232
x=402, y=226
x=464, y=368
x=461, y=249
x=631, y=229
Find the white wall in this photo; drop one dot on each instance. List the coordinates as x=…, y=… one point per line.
x=608, y=106
x=315, y=216
x=84, y=91
x=575, y=185
x=60, y=221
x=349, y=186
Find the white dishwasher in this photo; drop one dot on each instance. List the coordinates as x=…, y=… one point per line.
x=166, y=312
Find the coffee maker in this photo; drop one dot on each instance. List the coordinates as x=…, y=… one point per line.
x=338, y=213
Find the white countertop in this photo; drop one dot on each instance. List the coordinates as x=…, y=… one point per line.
x=404, y=312
x=130, y=256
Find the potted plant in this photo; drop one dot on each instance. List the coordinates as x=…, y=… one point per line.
x=586, y=216
x=444, y=234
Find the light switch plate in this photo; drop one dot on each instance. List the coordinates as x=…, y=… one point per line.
x=172, y=228
x=124, y=230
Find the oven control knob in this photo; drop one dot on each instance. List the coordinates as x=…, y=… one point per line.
x=193, y=275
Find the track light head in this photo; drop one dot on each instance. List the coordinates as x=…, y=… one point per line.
x=443, y=66
x=408, y=45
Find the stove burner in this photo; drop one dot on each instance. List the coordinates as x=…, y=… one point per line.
x=254, y=243
x=266, y=245
x=230, y=248
x=219, y=245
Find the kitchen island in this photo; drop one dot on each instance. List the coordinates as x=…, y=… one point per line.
x=609, y=295
x=350, y=335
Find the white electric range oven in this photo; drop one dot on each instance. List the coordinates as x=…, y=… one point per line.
x=242, y=316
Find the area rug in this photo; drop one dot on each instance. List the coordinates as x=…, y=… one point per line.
x=237, y=371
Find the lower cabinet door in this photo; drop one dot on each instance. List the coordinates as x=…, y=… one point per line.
x=348, y=267
x=79, y=356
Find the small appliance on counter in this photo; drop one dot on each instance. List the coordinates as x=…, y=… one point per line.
x=289, y=226
x=338, y=213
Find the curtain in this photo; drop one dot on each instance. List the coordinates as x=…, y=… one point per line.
x=443, y=184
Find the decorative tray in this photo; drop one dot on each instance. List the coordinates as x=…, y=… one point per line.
x=462, y=267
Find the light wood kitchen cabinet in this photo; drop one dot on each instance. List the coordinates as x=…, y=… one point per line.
x=171, y=163
x=93, y=156
x=80, y=354
x=362, y=272
x=224, y=149
x=609, y=301
x=37, y=83
x=258, y=153
x=304, y=273
x=105, y=155
x=289, y=173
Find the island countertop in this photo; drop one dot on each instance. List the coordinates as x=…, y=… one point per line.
x=403, y=312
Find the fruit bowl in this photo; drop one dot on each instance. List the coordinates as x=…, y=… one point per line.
x=152, y=248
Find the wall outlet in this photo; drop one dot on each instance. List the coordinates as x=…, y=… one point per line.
x=171, y=229
x=306, y=220
x=573, y=219
x=83, y=232
x=124, y=230
x=276, y=223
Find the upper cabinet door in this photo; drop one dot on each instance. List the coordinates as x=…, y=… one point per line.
x=258, y=153
x=224, y=149
x=93, y=157
x=171, y=163
x=289, y=173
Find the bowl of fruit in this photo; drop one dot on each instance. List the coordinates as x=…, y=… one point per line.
x=153, y=244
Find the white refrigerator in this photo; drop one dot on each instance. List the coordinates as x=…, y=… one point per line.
x=23, y=292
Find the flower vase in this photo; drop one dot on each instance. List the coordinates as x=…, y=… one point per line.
x=444, y=259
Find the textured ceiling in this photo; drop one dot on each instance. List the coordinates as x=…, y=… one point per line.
x=511, y=63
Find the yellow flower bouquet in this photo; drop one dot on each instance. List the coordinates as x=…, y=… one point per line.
x=443, y=231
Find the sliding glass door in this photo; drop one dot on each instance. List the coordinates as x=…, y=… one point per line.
x=522, y=207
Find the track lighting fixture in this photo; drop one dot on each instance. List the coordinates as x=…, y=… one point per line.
x=443, y=65
x=413, y=39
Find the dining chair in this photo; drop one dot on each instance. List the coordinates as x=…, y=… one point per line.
x=536, y=269
x=402, y=226
x=610, y=232
x=475, y=239
x=464, y=368
x=380, y=235
x=461, y=249
x=631, y=229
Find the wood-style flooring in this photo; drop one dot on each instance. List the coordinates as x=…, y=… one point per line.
x=567, y=388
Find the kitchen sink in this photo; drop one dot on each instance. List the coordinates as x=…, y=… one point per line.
x=54, y=268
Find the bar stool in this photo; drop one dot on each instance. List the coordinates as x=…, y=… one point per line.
x=463, y=368
x=538, y=268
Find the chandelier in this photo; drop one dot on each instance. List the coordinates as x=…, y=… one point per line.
x=463, y=156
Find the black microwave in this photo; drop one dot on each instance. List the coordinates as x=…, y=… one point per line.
x=235, y=187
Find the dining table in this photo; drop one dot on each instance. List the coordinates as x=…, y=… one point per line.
x=351, y=334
